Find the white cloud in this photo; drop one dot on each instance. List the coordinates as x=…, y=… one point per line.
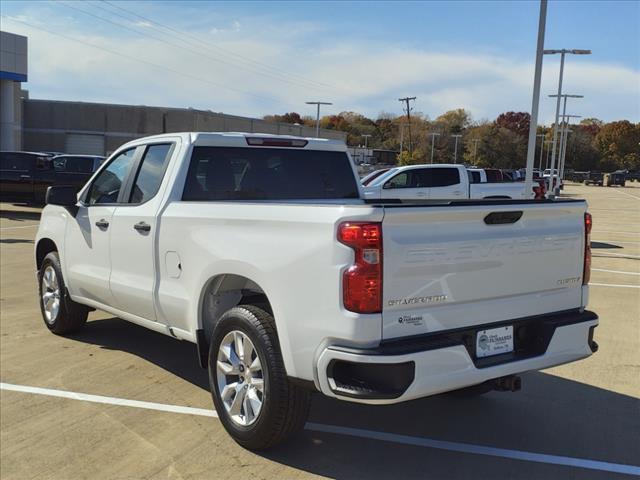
x=363, y=77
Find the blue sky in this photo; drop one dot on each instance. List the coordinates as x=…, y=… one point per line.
x=254, y=58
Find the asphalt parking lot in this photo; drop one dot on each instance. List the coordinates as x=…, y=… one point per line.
x=580, y=420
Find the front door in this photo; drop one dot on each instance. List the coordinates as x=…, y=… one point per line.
x=404, y=185
x=133, y=235
x=87, y=238
x=16, y=176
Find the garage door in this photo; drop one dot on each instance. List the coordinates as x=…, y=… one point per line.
x=85, y=143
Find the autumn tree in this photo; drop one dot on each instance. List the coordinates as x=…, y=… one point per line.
x=617, y=143
x=517, y=122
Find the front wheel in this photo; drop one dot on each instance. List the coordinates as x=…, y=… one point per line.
x=256, y=403
x=61, y=315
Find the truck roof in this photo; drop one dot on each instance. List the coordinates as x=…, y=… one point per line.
x=239, y=139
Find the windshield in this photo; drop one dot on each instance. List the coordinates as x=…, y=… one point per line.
x=383, y=178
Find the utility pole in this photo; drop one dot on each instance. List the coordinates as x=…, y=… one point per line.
x=433, y=138
x=401, y=136
x=318, y=114
x=562, y=53
x=541, y=150
x=566, y=118
x=366, y=137
x=475, y=148
x=565, y=96
x=455, y=150
x=406, y=100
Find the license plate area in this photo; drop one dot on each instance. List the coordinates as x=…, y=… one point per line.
x=494, y=341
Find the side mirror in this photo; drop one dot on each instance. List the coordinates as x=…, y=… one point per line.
x=64, y=196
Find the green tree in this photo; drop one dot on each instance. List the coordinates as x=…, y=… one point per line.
x=617, y=143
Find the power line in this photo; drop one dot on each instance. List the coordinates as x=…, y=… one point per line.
x=234, y=56
x=191, y=50
x=139, y=60
x=408, y=110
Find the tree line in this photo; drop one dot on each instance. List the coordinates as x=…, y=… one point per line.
x=500, y=143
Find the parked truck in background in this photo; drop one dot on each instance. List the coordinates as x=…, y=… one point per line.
x=442, y=182
x=264, y=252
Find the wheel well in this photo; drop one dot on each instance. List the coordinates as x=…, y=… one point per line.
x=226, y=291
x=44, y=248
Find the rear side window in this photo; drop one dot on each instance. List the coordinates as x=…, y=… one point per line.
x=228, y=173
x=437, y=177
x=149, y=178
x=16, y=162
x=474, y=177
x=493, y=176
x=444, y=177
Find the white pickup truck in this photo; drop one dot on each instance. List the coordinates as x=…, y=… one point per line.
x=441, y=182
x=263, y=252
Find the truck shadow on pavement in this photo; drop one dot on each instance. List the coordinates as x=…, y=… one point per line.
x=551, y=415
x=20, y=215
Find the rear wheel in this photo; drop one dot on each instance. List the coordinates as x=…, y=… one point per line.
x=255, y=401
x=61, y=315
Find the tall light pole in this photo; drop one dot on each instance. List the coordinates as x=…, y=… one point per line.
x=475, y=148
x=565, y=96
x=535, y=100
x=541, y=149
x=433, y=139
x=366, y=137
x=455, y=150
x=318, y=114
x=566, y=118
x=562, y=53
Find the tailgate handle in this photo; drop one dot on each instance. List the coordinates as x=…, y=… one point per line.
x=502, y=218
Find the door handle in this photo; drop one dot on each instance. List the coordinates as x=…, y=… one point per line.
x=421, y=194
x=142, y=227
x=102, y=224
x=25, y=177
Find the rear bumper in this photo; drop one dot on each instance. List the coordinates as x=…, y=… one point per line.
x=407, y=369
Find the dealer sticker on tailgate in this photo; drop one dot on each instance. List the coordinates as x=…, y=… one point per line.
x=494, y=341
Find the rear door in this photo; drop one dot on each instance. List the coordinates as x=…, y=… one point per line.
x=133, y=234
x=445, y=267
x=443, y=183
x=16, y=176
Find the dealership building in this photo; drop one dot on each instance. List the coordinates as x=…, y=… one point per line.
x=98, y=128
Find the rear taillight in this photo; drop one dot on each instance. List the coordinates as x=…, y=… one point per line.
x=586, y=273
x=276, y=142
x=362, y=281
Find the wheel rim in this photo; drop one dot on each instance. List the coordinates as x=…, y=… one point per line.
x=50, y=294
x=240, y=379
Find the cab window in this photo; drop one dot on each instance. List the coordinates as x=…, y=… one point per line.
x=106, y=187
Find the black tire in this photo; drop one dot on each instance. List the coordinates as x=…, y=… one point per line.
x=285, y=406
x=70, y=316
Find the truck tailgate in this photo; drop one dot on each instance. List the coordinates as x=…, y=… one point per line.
x=452, y=266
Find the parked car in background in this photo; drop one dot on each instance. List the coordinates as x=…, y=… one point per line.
x=25, y=176
x=577, y=176
x=594, y=178
x=614, y=178
x=440, y=182
x=633, y=175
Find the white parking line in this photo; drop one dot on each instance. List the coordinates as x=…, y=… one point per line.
x=352, y=432
x=622, y=255
x=614, y=271
x=108, y=400
x=613, y=285
x=22, y=226
x=625, y=193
